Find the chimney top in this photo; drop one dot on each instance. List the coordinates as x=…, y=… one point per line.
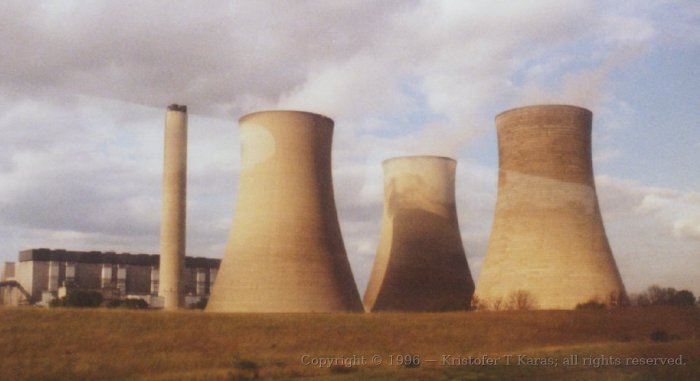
x=176, y=107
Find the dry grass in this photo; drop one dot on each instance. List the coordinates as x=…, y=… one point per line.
x=69, y=344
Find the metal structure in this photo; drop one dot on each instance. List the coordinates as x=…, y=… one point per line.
x=13, y=284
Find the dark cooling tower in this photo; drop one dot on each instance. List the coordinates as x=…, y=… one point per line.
x=285, y=252
x=420, y=263
x=548, y=243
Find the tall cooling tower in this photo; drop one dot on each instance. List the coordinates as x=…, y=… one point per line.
x=172, y=225
x=285, y=251
x=420, y=263
x=548, y=243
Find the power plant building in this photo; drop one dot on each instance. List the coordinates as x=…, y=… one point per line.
x=40, y=273
x=285, y=252
x=548, y=242
x=420, y=263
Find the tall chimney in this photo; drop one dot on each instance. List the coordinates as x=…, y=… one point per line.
x=172, y=229
x=548, y=247
x=285, y=252
x=420, y=263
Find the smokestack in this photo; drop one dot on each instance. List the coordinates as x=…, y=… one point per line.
x=420, y=263
x=172, y=228
x=548, y=241
x=285, y=252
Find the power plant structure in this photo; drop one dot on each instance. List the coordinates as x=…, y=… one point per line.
x=173, y=212
x=548, y=246
x=42, y=275
x=285, y=252
x=420, y=263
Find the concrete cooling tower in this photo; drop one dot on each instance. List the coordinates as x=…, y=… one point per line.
x=548, y=247
x=420, y=263
x=172, y=225
x=285, y=251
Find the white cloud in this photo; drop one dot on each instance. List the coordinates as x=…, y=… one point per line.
x=687, y=228
x=626, y=29
x=606, y=155
x=653, y=232
x=362, y=85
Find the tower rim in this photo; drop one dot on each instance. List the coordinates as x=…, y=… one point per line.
x=285, y=111
x=436, y=157
x=177, y=107
x=544, y=106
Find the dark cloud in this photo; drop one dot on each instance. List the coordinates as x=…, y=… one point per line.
x=211, y=57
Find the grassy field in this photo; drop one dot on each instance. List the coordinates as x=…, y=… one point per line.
x=72, y=344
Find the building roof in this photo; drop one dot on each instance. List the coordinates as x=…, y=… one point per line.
x=61, y=255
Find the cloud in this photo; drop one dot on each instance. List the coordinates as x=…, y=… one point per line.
x=687, y=228
x=357, y=61
x=653, y=232
x=680, y=21
x=84, y=86
x=64, y=174
x=362, y=85
x=613, y=41
x=606, y=155
x=215, y=58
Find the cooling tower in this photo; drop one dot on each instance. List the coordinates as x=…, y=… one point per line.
x=172, y=225
x=285, y=252
x=420, y=263
x=548, y=242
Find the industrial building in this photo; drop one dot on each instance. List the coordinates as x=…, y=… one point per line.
x=420, y=263
x=548, y=247
x=285, y=252
x=39, y=274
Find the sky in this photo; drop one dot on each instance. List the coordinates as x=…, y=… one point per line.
x=84, y=87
